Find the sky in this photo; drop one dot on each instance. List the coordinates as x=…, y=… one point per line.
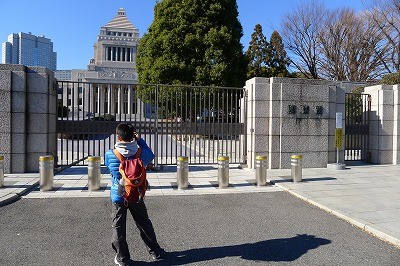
x=73, y=25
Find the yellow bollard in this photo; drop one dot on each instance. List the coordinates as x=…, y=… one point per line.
x=94, y=173
x=261, y=170
x=297, y=165
x=182, y=172
x=223, y=171
x=46, y=172
x=1, y=171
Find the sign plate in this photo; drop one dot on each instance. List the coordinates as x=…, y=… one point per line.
x=339, y=119
x=338, y=138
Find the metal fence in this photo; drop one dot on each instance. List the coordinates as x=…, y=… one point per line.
x=198, y=122
x=358, y=108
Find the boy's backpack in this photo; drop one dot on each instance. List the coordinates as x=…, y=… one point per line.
x=133, y=173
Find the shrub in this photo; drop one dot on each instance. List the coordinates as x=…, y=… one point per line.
x=391, y=79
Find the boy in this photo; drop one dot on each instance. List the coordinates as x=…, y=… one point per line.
x=127, y=145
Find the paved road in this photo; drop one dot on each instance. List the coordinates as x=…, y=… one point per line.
x=231, y=229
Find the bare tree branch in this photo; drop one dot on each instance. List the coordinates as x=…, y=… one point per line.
x=301, y=29
x=385, y=15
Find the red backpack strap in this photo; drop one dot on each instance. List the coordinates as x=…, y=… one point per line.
x=119, y=155
x=138, y=153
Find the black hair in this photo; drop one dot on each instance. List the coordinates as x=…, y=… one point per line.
x=125, y=131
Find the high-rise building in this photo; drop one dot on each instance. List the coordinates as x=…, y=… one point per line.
x=29, y=50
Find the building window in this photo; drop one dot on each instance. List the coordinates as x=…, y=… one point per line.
x=114, y=51
x=109, y=53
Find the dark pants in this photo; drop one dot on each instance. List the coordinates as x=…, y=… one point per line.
x=143, y=223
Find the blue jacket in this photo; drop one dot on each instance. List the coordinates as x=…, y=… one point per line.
x=112, y=162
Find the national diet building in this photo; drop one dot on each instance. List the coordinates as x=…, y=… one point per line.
x=114, y=62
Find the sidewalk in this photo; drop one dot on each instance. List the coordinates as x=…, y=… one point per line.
x=366, y=196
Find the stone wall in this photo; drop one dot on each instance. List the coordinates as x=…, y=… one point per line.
x=28, y=116
x=292, y=116
x=385, y=124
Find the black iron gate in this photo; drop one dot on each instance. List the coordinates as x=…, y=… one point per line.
x=198, y=122
x=357, y=117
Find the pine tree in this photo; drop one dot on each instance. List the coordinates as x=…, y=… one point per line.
x=279, y=60
x=258, y=54
x=193, y=42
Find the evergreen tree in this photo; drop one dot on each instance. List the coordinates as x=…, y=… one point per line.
x=258, y=54
x=279, y=60
x=193, y=42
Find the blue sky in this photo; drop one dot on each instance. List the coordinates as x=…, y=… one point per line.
x=73, y=25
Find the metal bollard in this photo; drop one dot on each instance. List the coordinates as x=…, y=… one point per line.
x=296, y=164
x=46, y=172
x=223, y=171
x=261, y=170
x=183, y=172
x=1, y=171
x=94, y=174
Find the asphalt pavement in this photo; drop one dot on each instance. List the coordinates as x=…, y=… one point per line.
x=206, y=225
x=265, y=228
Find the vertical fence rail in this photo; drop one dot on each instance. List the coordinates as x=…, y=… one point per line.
x=357, y=117
x=200, y=123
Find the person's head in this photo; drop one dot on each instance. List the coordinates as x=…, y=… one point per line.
x=124, y=132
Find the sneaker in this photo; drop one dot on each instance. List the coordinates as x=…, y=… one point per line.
x=120, y=263
x=158, y=255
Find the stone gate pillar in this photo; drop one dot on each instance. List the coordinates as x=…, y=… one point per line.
x=289, y=116
x=385, y=124
x=28, y=114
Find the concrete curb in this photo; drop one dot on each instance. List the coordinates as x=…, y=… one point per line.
x=12, y=197
x=364, y=226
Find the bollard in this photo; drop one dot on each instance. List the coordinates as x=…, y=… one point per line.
x=296, y=164
x=261, y=170
x=1, y=171
x=223, y=171
x=94, y=174
x=183, y=172
x=46, y=172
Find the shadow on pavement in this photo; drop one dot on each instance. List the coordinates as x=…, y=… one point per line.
x=283, y=249
x=173, y=168
x=288, y=179
x=80, y=170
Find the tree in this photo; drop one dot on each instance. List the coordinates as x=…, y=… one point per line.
x=193, y=42
x=266, y=59
x=351, y=48
x=339, y=44
x=258, y=55
x=391, y=79
x=385, y=15
x=279, y=61
x=301, y=30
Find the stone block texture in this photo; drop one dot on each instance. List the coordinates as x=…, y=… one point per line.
x=384, y=125
x=305, y=131
x=28, y=115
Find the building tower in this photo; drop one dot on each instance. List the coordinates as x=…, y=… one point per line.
x=114, y=53
x=29, y=50
x=114, y=62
